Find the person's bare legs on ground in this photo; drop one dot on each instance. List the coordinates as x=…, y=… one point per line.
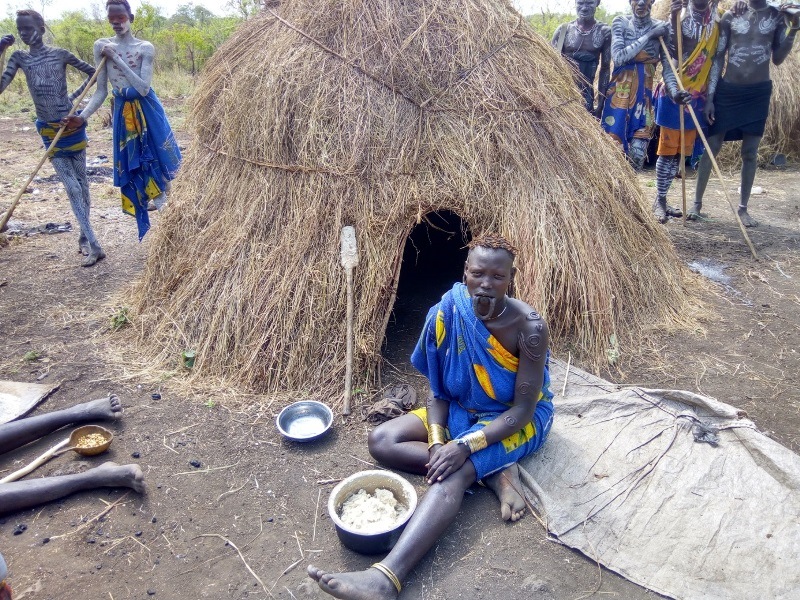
x=19, y=495
x=749, y=164
x=703, y=173
x=508, y=488
x=22, y=431
x=398, y=444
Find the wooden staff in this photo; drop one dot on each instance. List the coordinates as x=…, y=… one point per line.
x=681, y=116
x=52, y=147
x=710, y=154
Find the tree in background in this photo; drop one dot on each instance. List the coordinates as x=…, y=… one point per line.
x=185, y=40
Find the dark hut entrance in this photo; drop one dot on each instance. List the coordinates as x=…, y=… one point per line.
x=433, y=259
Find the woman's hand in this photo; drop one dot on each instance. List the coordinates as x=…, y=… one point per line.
x=446, y=460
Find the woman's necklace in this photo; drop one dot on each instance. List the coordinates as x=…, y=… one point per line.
x=497, y=316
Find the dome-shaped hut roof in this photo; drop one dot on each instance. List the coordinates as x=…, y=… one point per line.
x=325, y=113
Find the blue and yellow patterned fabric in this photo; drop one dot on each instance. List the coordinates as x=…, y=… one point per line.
x=146, y=154
x=71, y=142
x=468, y=367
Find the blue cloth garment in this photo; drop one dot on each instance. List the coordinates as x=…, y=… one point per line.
x=467, y=366
x=146, y=154
x=71, y=142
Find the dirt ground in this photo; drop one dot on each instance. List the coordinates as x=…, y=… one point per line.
x=268, y=496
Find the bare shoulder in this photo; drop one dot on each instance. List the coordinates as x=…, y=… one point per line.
x=101, y=43
x=531, y=323
x=145, y=47
x=620, y=21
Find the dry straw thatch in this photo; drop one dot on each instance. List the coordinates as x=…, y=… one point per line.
x=782, y=134
x=374, y=113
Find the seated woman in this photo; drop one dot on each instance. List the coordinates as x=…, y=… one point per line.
x=485, y=356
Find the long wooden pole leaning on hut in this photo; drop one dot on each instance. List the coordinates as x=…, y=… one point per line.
x=349, y=256
x=52, y=147
x=681, y=116
x=710, y=154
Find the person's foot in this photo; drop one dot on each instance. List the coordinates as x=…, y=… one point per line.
x=101, y=409
x=95, y=254
x=747, y=220
x=83, y=244
x=674, y=211
x=360, y=585
x=693, y=214
x=660, y=210
x=508, y=488
x=110, y=474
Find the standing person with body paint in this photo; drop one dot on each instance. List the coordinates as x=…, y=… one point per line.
x=45, y=70
x=628, y=113
x=738, y=104
x=586, y=43
x=699, y=37
x=146, y=155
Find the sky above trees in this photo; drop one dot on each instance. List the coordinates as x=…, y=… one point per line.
x=54, y=8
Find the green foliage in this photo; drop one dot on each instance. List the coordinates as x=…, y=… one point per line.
x=31, y=356
x=183, y=42
x=546, y=22
x=121, y=318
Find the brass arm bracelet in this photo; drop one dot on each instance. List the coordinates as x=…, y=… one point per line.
x=436, y=435
x=475, y=440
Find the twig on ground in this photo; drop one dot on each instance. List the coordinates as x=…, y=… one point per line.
x=229, y=492
x=93, y=519
x=182, y=429
x=327, y=481
x=290, y=592
x=599, y=568
x=566, y=375
x=297, y=539
x=366, y=462
x=206, y=470
x=239, y=552
x=164, y=442
x=316, y=514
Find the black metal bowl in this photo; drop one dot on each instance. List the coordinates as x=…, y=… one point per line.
x=304, y=421
x=378, y=542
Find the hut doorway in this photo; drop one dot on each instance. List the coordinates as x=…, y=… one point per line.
x=433, y=259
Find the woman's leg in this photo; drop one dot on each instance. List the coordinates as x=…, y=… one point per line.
x=435, y=512
x=401, y=443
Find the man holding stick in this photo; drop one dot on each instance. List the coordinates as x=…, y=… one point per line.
x=628, y=112
x=146, y=154
x=738, y=104
x=699, y=37
x=45, y=71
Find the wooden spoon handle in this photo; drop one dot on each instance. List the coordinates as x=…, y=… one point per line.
x=35, y=464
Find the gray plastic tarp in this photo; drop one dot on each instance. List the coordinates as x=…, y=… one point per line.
x=675, y=491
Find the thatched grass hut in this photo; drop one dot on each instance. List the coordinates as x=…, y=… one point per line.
x=378, y=114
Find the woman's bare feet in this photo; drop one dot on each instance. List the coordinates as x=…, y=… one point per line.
x=100, y=409
x=361, y=585
x=110, y=474
x=508, y=488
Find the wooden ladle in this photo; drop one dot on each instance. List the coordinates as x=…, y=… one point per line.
x=77, y=441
